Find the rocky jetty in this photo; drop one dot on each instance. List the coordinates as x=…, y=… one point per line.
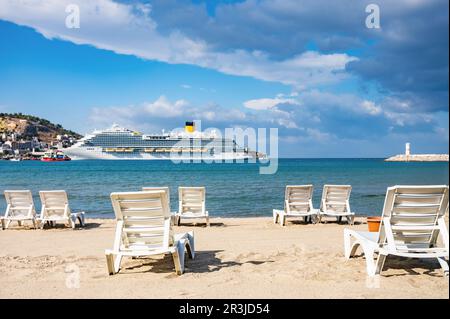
x=418, y=158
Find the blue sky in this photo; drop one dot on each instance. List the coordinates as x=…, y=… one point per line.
x=312, y=69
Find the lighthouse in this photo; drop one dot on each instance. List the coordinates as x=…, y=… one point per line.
x=407, y=151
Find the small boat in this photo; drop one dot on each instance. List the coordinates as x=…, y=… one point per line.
x=15, y=159
x=57, y=156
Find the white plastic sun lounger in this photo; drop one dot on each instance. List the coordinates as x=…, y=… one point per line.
x=56, y=209
x=191, y=204
x=335, y=203
x=20, y=208
x=297, y=203
x=412, y=221
x=144, y=229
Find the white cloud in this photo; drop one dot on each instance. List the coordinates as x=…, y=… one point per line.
x=164, y=114
x=163, y=108
x=318, y=135
x=320, y=113
x=129, y=29
x=318, y=99
x=370, y=107
x=313, y=116
x=267, y=103
x=186, y=86
x=408, y=119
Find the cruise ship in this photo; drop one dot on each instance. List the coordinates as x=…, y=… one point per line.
x=117, y=143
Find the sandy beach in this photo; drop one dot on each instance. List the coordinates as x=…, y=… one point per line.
x=236, y=258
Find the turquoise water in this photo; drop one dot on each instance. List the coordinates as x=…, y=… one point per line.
x=236, y=190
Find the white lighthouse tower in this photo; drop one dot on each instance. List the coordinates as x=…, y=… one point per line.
x=407, y=150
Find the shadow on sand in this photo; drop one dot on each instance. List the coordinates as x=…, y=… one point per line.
x=205, y=261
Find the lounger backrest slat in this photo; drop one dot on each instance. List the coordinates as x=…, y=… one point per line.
x=55, y=203
x=20, y=203
x=298, y=198
x=192, y=199
x=410, y=216
x=335, y=198
x=145, y=219
x=162, y=188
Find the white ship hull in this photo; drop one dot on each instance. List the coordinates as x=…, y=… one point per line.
x=97, y=153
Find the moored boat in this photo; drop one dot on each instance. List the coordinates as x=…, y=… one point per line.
x=57, y=156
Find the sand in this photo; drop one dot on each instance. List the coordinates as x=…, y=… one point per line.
x=236, y=258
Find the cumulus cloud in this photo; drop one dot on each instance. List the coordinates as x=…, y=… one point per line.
x=165, y=114
x=267, y=103
x=407, y=58
x=316, y=115
x=130, y=29
x=370, y=107
x=342, y=115
x=268, y=39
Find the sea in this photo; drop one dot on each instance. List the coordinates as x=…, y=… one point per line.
x=232, y=189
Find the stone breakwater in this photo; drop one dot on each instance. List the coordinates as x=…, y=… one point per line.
x=418, y=158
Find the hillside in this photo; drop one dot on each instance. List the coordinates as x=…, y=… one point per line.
x=28, y=126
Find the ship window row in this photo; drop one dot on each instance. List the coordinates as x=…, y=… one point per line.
x=167, y=143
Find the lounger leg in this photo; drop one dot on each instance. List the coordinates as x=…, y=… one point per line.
x=20, y=223
x=190, y=244
x=350, y=220
x=380, y=263
x=178, y=220
x=110, y=263
x=81, y=219
x=117, y=262
x=34, y=223
x=4, y=224
x=349, y=248
x=178, y=257
x=72, y=220
x=370, y=261
x=283, y=220
x=177, y=263
x=207, y=221
x=113, y=262
x=275, y=216
x=444, y=265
